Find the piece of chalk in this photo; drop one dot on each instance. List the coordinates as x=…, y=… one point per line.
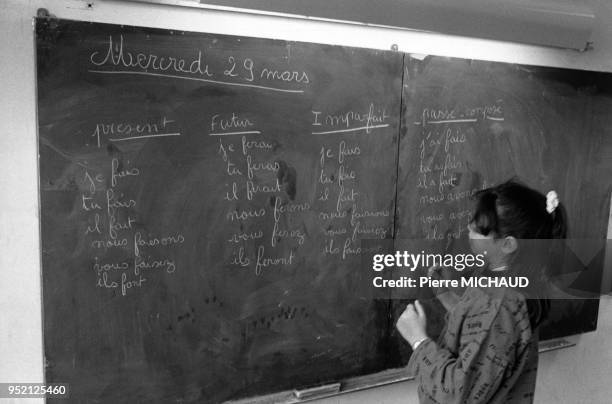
x=317, y=391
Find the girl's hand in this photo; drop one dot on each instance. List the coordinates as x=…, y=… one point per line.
x=412, y=323
x=439, y=273
x=434, y=272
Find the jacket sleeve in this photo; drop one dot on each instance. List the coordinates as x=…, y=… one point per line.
x=489, y=339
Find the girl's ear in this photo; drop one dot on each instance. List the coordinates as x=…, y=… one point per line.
x=509, y=245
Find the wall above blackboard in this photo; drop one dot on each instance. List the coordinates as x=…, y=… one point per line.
x=564, y=23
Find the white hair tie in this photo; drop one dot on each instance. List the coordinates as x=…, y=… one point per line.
x=552, y=201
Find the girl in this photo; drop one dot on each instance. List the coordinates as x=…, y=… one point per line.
x=488, y=351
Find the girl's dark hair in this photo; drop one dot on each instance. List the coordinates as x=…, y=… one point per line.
x=513, y=209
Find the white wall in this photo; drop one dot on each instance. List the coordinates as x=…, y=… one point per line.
x=575, y=375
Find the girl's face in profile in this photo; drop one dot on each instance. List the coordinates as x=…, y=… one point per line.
x=481, y=244
x=495, y=250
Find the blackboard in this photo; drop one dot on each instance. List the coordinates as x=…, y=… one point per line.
x=203, y=198
x=469, y=124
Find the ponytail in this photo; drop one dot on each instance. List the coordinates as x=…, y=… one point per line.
x=558, y=218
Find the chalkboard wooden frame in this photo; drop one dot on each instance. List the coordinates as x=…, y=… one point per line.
x=349, y=385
